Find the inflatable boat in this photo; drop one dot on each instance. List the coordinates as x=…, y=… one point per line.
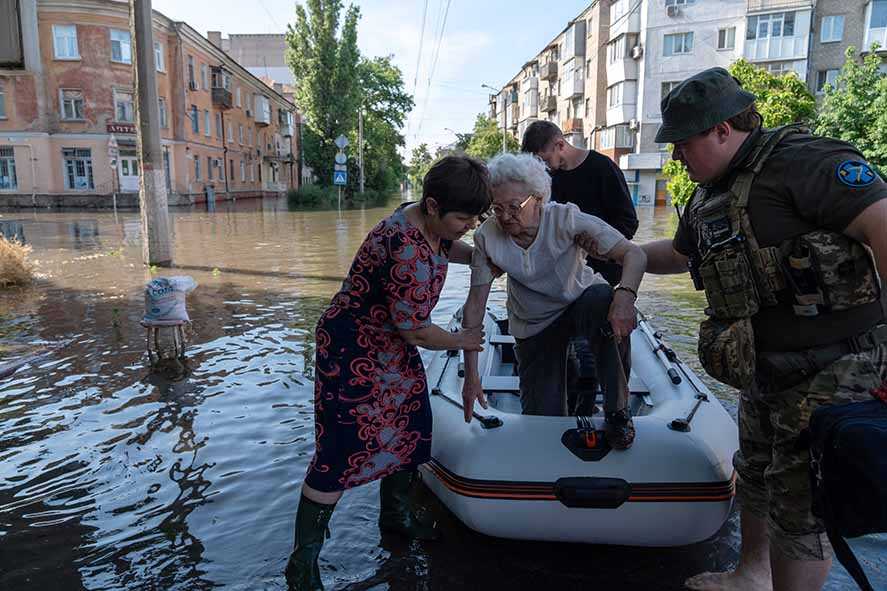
x=555, y=478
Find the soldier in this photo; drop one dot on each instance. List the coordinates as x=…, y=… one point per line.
x=775, y=236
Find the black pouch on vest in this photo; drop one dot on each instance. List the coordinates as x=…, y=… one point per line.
x=776, y=372
x=848, y=475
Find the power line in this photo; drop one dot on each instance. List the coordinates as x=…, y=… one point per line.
x=421, y=43
x=436, y=54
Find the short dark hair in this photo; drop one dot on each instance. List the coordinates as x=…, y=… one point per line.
x=458, y=183
x=747, y=120
x=538, y=135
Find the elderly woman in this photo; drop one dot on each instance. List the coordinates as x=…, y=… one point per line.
x=552, y=294
x=372, y=413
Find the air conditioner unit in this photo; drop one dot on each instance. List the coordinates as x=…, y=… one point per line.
x=634, y=124
x=217, y=162
x=672, y=11
x=192, y=85
x=637, y=51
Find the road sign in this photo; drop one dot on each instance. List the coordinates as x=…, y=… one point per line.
x=341, y=142
x=340, y=178
x=340, y=167
x=341, y=158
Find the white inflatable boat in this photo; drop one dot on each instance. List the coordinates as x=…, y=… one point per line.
x=555, y=478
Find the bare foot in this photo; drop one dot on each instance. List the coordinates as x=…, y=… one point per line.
x=730, y=581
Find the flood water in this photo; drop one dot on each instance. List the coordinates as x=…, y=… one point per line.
x=112, y=477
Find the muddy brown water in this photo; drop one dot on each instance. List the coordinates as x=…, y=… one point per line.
x=112, y=477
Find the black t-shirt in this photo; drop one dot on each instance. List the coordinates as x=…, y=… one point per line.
x=799, y=190
x=598, y=187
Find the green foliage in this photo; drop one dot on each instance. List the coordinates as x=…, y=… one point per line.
x=420, y=162
x=780, y=100
x=318, y=196
x=486, y=140
x=856, y=110
x=324, y=58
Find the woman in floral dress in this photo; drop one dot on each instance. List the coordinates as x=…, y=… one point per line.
x=372, y=413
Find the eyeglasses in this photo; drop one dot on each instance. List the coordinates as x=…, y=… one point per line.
x=512, y=209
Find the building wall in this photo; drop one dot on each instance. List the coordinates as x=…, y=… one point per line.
x=831, y=55
x=38, y=133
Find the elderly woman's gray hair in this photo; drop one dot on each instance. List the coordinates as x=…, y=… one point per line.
x=525, y=169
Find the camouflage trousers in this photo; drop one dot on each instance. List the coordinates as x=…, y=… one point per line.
x=773, y=461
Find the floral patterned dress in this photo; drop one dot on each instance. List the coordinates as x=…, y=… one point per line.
x=372, y=413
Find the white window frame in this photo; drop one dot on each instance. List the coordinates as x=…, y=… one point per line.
x=204, y=77
x=207, y=124
x=71, y=51
x=240, y=134
x=131, y=113
x=666, y=87
x=729, y=38
x=218, y=125
x=191, y=69
x=197, y=171
x=87, y=168
x=679, y=2
x=64, y=112
x=753, y=27
x=7, y=166
x=616, y=95
x=237, y=98
x=3, y=114
x=687, y=48
x=252, y=173
x=159, y=57
x=824, y=77
x=194, y=115
x=242, y=171
x=164, y=114
x=209, y=168
x=877, y=9
x=124, y=41
x=831, y=29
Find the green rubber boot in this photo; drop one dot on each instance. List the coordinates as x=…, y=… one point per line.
x=396, y=513
x=312, y=527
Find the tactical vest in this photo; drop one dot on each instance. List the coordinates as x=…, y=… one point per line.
x=818, y=272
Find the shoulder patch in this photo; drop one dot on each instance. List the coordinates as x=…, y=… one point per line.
x=855, y=173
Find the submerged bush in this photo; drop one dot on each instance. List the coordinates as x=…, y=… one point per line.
x=15, y=268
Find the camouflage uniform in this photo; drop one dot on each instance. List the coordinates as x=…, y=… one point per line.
x=773, y=460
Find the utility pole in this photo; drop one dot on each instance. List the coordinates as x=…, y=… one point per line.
x=153, y=198
x=360, y=146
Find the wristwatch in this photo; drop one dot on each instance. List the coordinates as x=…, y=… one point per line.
x=626, y=288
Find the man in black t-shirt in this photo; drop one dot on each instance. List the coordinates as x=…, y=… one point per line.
x=589, y=179
x=594, y=183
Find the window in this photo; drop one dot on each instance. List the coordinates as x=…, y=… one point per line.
x=667, y=87
x=159, y=57
x=618, y=136
x=616, y=50
x=64, y=40
x=679, y=2
x=727, y=38
x=72, y=104
x=195, y=119
x=780, y=24
x=240, y=128
x=204, y=77
x=78, y=169
x=209, y=168
x=230, y=136
x=878, y=19
x=207, y=126
x=164, y=121
x=219, y=125
x=779, y=68
x=242, y=171
x=678, y=44
x=8, y=179
x=231, y=169
x=192, y=83
x=249, y=134
x=196, y=167
x=252, y=173
x=824, y=77
x=121, y=48
x=832, y=29
x=615, y=94
x=123, y=107
x=237, y=97
x=2, y=101
x=587, y=107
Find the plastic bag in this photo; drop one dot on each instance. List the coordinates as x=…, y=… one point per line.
x=165, y=301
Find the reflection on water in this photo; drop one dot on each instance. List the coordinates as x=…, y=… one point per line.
x=113, y=478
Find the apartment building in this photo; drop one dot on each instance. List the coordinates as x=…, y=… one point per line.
x=264, y=55
x=67, y=105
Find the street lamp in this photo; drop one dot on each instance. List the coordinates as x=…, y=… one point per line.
x=504, y=117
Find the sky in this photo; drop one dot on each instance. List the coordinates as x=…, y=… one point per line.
x=483, y=42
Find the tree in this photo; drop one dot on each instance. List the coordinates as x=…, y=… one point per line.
x=780, y=100
x=486, y=139
x=855, y=110
x=326, y=71
x=385, y=105
x=420, y=162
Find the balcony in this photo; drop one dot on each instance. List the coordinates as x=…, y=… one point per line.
x=549, y=103
x=644, y=161
x=777, y=5
x=514, y=113
x=879, y=36
x=263, y=111
x=548, y=71
x=222, y=98
x=286, y=130
x=573, y=125
x=574, y=88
